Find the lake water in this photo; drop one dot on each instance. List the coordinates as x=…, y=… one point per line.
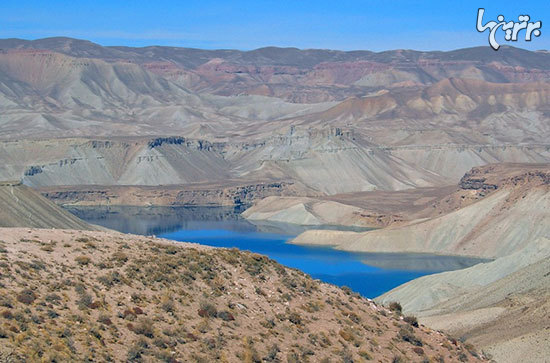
x=369, y=274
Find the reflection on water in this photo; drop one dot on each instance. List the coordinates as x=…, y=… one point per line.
x=370, y=274
x=419, y=261
x=157, y=220
x=150, y=221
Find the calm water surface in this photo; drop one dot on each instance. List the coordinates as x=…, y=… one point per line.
x=366, y=273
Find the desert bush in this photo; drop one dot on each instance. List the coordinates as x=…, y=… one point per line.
x=312, y=306
x=286, y=296
x=259, y=291
x=120, y=257
x=85, y=301
x=347, y=334
x=6, y=301
x=134, y=354
x=102, y=265
x=408, y=336
x=165, y=356
x=160, y=343
x=207, y=310
x=254, y=264
x=82, y=260
x=53, y=298
x=293, y=357
x=26, y=296
x=268, y=323
x=226, y=316
x=110, y=279
x=249, y=354
x=168, y=305
x=411, y=320
x=347, y=290
x=396, y=307
x=78, y=288
x=171, y=250
x=295, y=318
x=104, y=319
x=365, y=355
x=20, y=316
x=47, y=248
x=470, y=348
x=271, y=355
x=128, y=314
x=144, y=327
x=289, y=283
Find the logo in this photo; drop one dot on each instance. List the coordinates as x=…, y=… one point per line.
x=511, y=29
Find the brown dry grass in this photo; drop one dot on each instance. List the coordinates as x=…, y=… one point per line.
x=141, y=299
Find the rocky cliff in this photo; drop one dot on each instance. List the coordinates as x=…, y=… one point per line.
x=230, y=193
x=327, y=162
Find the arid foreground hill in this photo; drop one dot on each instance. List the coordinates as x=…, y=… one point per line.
x=72, y=295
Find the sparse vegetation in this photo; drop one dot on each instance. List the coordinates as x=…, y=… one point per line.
x=26, y=296
x=406, y=334
x=411, y=320
x=83, y=260
x=396, y=307
x=141, y=300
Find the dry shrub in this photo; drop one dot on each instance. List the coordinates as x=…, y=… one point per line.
x=207, y=310
x=411, y=320
x=82, y=260
x=395, y=306
x=26, y=296
x=144, y=327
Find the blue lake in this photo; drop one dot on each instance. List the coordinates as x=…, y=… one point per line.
x=369, y=274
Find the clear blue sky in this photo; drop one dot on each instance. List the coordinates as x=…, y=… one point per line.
x=245, y=24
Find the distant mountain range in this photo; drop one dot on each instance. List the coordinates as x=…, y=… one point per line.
x=388, y=120
x=77, y=87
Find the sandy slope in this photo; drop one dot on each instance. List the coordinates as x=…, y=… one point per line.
x=306, y=211
x=502, y=222
x=20, y=206
x=501, y=306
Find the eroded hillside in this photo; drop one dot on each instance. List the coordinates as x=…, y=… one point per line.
x=334, y=122
x=498, y=210
x=23, y=207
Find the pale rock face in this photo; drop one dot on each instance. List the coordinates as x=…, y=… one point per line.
x=512, y=213
x=336, y=122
